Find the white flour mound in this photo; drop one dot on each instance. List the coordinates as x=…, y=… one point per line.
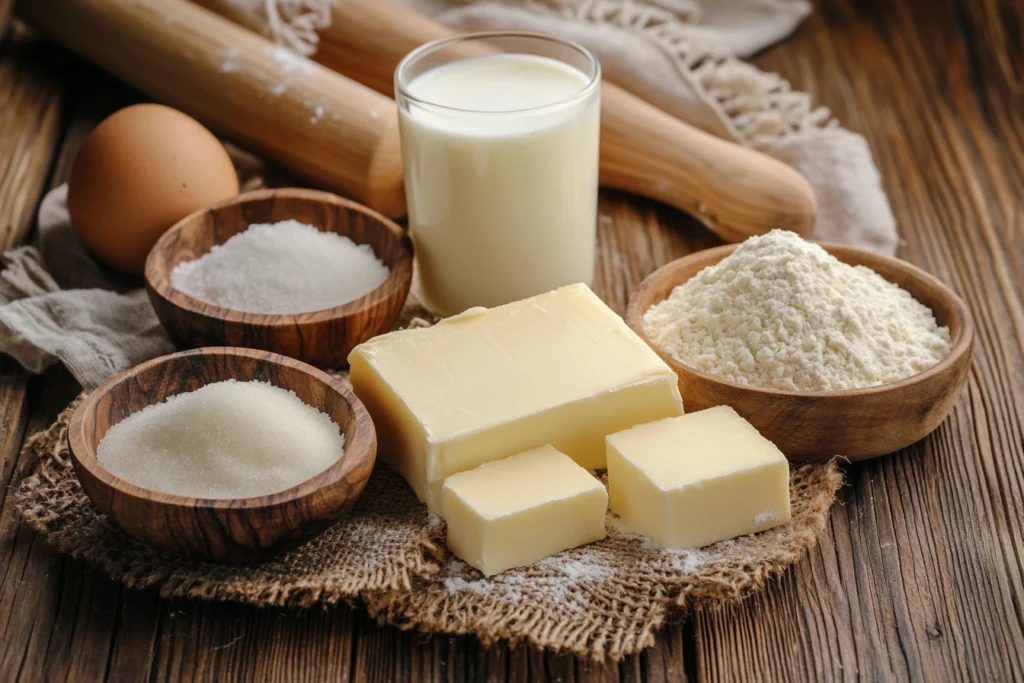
x=782, y=313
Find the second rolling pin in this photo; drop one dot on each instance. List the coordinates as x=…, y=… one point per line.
x=735, y=191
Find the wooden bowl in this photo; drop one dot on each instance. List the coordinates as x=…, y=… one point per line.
x=858, y=424
x=221, y=530
x=322, y=338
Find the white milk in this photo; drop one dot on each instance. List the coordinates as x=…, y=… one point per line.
x=501, y=179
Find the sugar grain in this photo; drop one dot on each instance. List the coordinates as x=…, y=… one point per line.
x=225, y=440
x=281, y=268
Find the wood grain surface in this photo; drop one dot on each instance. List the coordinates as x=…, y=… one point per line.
x=225, y=530
x=322, y=338
x=817, y=426
x=920, y=575
x=31, y=88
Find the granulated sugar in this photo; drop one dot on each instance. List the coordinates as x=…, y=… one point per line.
x=783, y=313
x=225, y=440
x=286, y=267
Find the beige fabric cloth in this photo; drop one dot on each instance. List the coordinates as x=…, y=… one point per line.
x=603, y=600
x=57, y=305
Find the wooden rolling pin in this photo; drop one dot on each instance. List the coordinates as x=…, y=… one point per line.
x=323, y=126
x=735, y=191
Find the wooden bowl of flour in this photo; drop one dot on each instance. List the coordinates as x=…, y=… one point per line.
x=859, y=423
x=322, y=338
x=230, y=530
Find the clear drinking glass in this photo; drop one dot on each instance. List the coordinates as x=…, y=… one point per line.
x=499, y=136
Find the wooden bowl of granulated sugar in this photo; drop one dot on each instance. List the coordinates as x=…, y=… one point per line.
x=198, y=465
x=817, y=425
x=315, y=276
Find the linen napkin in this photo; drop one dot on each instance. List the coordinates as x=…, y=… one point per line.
x=58, y=306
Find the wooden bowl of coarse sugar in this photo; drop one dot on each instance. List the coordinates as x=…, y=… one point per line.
x=229, y=530
x=859, y=423
x=322, y=338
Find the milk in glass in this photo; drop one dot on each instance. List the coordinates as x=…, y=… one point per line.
x=501, y=165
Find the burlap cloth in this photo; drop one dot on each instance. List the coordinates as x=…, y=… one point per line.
x=604, y=600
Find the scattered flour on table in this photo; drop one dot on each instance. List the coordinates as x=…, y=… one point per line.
x=683, y=561
x=766, y=516
x=570, y=577
x=576, y=569
x=281, y=268
x=783, y=313
x=522, y=584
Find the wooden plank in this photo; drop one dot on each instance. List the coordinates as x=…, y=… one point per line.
x=29, y=121
x=31, y=85
x=6, y=10
x=31, y=95
x=59, y=618
x=669, y=661
x=34, y=588
x=221, y=642
x=919, y=576
x=13, y=414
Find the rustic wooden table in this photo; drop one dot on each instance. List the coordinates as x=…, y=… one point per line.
x=919, y=575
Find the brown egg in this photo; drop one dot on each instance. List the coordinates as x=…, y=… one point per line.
x=141, y=170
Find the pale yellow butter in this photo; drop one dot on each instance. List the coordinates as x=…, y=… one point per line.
x=697, y=479
x=516, y=511
x=560, y=368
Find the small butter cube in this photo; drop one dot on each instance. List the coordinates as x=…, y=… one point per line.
x=513, y=512
x=698, y=479
x=560, y=368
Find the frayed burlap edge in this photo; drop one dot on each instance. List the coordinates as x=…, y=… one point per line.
x=632, y=608
x=52, y=503
x=731, y=575
x=390, y=553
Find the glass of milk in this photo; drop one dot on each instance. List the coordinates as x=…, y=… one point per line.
x=500, y=144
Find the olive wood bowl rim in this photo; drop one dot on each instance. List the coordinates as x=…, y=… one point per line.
x=356, y=451
x=959, y=345
x=400, y=274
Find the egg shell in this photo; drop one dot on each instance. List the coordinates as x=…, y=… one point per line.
x=140, y=171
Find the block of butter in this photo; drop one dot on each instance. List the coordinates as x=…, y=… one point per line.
x=513, y=512
x=560, y=368
x=697, y=479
